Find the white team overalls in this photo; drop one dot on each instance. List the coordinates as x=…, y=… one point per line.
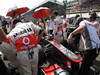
x=27, y=48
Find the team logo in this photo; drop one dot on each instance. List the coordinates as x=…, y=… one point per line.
x=26, y=41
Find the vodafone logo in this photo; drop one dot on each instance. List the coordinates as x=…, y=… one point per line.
x=26, y=41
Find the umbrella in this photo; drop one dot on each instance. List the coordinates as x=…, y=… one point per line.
x=11, y=14
x=17, y=11
x=41, y=13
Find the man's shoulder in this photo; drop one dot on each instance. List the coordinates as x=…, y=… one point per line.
x=85, y=22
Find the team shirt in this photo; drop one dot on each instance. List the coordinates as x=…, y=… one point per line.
x=90, y=35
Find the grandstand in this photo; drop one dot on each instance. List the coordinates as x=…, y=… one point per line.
x=83, y=7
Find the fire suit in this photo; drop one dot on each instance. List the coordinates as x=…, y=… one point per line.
x=25, y=43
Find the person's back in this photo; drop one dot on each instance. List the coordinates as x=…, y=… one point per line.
x=90, y=35
x=51, y=24
x=24, y=38
x=58, y=18
x=21, y=29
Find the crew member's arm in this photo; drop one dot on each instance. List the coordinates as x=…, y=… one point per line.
x=76, y=31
